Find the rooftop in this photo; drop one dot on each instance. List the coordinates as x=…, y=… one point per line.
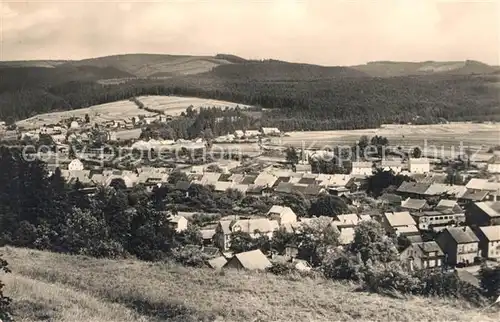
x=462, y=235
x=492, y=233
x=398, y=219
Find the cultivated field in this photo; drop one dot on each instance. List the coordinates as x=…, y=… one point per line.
x=101, y=113
x=55, y=287
x=447, y=135
x=174, y=105
x=125, y=109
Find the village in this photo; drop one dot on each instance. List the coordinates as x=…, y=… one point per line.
x=444, y=224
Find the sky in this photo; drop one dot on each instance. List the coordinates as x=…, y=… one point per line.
x=326, y=32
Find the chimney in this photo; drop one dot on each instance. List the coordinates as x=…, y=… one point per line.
x=465, y=228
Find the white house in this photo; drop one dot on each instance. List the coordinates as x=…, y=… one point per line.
x=179, y=223
x=251, y=133
x=283, y=215
x=239, y=134
x=420, y=165
x=254, y=227
x=494, y=164
x=75, y=165
x=389, y=165
x=362, y=168
x=270, y=131
x=74, y=125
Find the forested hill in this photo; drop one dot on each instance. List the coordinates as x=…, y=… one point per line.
x=277, y=70
x=299, y=96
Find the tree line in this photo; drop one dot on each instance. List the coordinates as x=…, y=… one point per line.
x=309, y=104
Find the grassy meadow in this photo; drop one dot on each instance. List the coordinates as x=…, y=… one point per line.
x=55, y=287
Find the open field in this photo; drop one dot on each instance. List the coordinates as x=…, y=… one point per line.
x=175, y=105
x=101, y=113
x=47, y=286
x=447, y=135
x=125, y=109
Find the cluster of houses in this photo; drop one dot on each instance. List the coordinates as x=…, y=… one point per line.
x=248, y=134
x=461, y=237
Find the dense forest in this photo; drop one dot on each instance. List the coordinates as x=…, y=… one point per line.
x=298, y=101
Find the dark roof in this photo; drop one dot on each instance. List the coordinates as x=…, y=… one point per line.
x=248, y=179
x=307, y=181
x=182, y=185
x=391, y=198
x=475, y=196
x=280, y=180
x=225, y=177
x=413, y=187
x=211, y=251
x=254, y=189
x=462, y=235
x=284, y=187
x=299, y=189
x=430, y=246
x=312, y=190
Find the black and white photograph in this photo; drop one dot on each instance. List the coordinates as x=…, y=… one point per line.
x=249, y=160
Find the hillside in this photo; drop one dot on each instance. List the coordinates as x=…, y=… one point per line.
x=282, y=71
x=21, y=78
x=154, y=65
x=299, y=96
x=394, y=69
x=32, y=63
x=55, y=287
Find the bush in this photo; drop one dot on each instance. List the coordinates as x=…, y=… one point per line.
x=391, y=278
x=343, y=266
x=490, y=281
x=4, y=301
x=192, y=257
x=443, y=284
x=282, y=269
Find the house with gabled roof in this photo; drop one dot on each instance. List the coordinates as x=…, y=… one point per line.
x=254, y=227
x=393, y=220
x=489, y=242
x=422, y=255
x=448, y=206
x=178, y=223
x=460, y=245
x=251, y=260
x=362, y=168
x=419, y=165
x=481, y=214
x=413, y=189
x=414, y=204
x=284, y=215
x=265, y=180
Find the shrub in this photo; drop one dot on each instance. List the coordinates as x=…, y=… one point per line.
x=192, y=257
x=282, y=269
x=391, y=278
x=343, y=266
x=490, y=281
x=443, y=284
x=4, y=301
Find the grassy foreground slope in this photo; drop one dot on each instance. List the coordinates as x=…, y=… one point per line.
x=55, y=287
